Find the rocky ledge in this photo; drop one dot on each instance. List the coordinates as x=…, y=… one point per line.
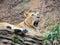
x=9, y=37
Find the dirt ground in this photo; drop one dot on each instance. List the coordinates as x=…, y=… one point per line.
x=10, y=10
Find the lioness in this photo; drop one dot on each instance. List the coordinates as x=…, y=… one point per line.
x=31, y=22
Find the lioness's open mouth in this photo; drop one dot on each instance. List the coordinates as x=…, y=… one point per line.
x=36, y=23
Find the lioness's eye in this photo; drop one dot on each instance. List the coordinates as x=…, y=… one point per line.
x=32, y=14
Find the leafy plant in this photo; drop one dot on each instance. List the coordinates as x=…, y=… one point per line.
x=16, y=39
x=55, y=35
x=59, y=22
x=50, y=21
x=53, y=28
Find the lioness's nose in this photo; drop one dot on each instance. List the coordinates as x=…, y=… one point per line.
x=38, y=17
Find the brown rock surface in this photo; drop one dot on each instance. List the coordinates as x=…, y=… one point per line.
x=10, y=10
x=6, y=38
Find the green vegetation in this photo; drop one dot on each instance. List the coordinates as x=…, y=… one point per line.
x=53, y=37
x=16, y=39
x=50, y=21
x=59, y=22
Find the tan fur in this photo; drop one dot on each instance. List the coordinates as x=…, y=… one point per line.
x=28, y=22
x=4, y=25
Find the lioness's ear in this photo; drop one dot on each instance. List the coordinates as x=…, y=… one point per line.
x=26, y=13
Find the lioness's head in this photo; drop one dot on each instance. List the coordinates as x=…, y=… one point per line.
x=32, y=18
